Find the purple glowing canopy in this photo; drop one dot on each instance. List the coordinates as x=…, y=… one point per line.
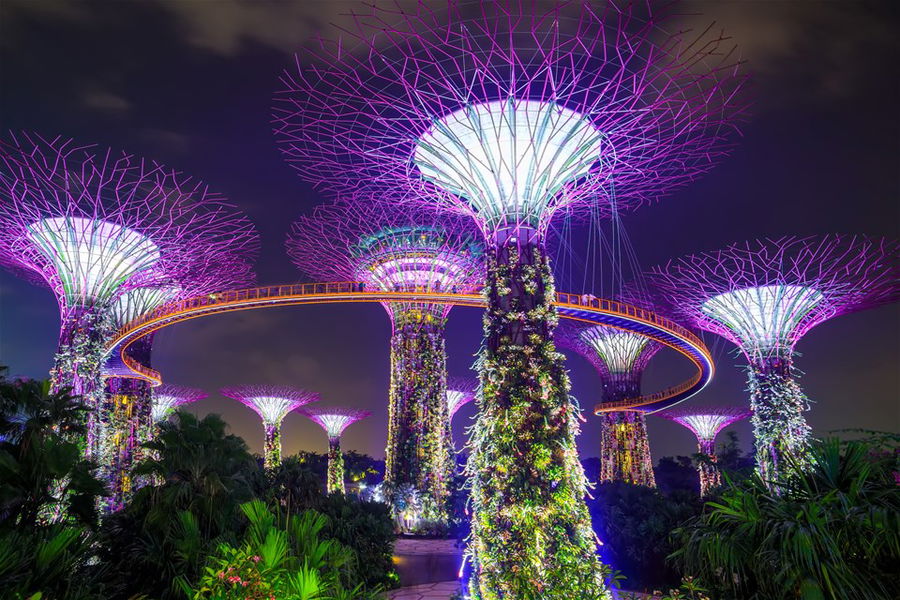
x=460, y=391
x=92, y=224
x=271, y=402
x=333, y=419
x=705, y=422
x=764, y=295
x=167, y=398
x=391, y=248
x=613, y=352
x=509, y=111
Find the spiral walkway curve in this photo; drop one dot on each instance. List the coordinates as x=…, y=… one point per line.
x=583, y=308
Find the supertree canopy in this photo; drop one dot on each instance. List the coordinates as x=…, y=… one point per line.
x=764, y=295
x=399, y=248
x=93, y=225
x=620, y=358
x=167, y=398
x=511, y=112
x=272, y=403
x=460, y=391
x=334, y=421
x=706, y=423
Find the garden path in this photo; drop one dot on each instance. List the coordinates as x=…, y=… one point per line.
x=427, y=568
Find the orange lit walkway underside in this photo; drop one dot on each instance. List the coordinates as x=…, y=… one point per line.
x=583, y=308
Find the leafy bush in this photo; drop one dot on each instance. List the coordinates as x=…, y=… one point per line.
x=831, y=531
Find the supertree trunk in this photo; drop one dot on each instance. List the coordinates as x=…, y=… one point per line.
x=272, y=446
x=335, y=466
x=531, y=531
x=124, y=423
x=418, y=420
x=78, y=363
x=625, y=449
x=779, y=427
x=710, y=476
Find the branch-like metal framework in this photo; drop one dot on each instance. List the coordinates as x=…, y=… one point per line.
x=515, y=110
x=391, y=248
x=764, y=295
x=272, y=403
x=706, y=423
x=510, y=112
x=167, y=398
x=113, y=236
x=334, y=421
x=460, y=391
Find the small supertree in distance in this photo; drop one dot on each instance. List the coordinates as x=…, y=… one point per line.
x=512, y=112
x=620, y=358
x=402, y=249
x=764, y=295
x=92, y=224
x=334, y=420
x=460, y=391
x=167, y=398
x=272, y=403
x=706, y=422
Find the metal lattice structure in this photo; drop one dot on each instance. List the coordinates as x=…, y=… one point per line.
x=460, y=391
x=402, y=249
x=272, y=403
x=96, y=226
x=511, y=113
x=764, y=295
x=706, y=423
x=334, y=420
x=620, y=358
x=167, y=398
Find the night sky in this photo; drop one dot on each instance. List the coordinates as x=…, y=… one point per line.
x=189, y=83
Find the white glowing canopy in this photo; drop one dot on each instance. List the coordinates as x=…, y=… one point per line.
x=139, y=301
x=91, y=258
x=619, y=350
x=272, y=409
x=765, y=317
x=334, y=424
x=706, y=427
x=163, y=404
x=423, y=270
x=508, y=158
x=456, y=399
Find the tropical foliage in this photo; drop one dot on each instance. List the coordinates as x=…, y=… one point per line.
x=831, y=531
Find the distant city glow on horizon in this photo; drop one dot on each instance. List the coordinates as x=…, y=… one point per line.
x=764, y=317
x=508, y=158
x=92, y=258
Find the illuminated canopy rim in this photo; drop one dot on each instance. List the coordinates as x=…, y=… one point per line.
x=613, y=352
x=706, y=423
x=167, y=398
x=764, y=295
x=334, y=420
x=271, y=402
x=646, y=110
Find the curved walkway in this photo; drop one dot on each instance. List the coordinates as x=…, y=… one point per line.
x=584, y=308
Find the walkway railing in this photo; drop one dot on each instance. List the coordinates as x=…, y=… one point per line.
x=582, y=306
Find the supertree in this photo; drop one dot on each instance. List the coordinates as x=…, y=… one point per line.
x=706, y=423
x=94, y=225
x=620, y=358
x=401, y=249
x=460, y=391
x=167, y=398
x=272, y=403
x=764, y=295
x=334, y=420
x=511, y=113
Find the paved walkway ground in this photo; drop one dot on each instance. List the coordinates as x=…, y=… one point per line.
x=427, y=568
x=427, y=591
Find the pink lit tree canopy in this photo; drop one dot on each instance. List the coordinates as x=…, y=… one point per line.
x=334, y=420
x=94, y=226
x=167, y=398
x=706, y=423
x=764, y=295
x=620, y=358
x=397, y=247
x=460, y=391
x=511, y=112
x=272, y=403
